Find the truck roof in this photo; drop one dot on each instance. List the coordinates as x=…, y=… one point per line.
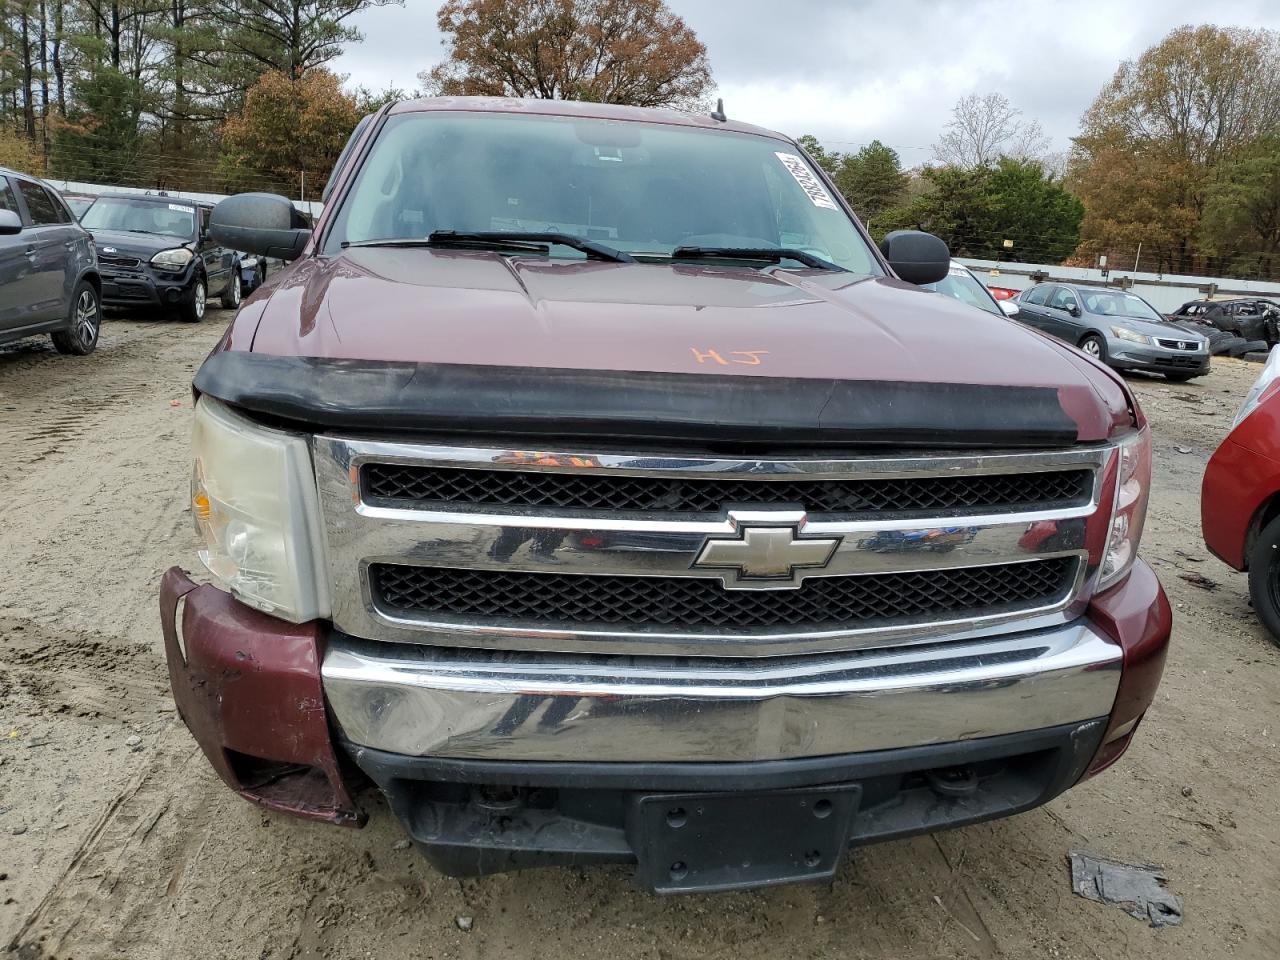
x=579, y=108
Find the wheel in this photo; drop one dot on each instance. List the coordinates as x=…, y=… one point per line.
x=1264, y=578
x=1094, y=347
x=231, y=295
x=1226, y=346
x=1249, y=346
x=192, y=309
x=85, y=323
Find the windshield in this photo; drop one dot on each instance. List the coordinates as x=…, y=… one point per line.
x=1110, y=304
x=640, y=188
x=78, y=205
x=141, y=216
x=965, y=287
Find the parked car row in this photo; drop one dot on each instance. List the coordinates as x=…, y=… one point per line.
x=66, y=257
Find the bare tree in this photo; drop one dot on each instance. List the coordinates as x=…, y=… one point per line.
x=985, y=128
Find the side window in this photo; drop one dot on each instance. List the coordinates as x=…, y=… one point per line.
x=7, y=200
x=1062, y=298
x=1038, y=294
x=39, y=204
x=204, y=221
x=64, y=212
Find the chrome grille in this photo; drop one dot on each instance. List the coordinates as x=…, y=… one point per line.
x=586, y=551
x=1177, y=344
x=820, y=603
x=591, y=491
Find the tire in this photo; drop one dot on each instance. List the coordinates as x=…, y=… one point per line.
x=1094, y=347
x=84, y=324
x=1225, y=346
x=193, y=307
x=1217, y=337
x=1264, y=578
x=231, y=295
x=1249, y=346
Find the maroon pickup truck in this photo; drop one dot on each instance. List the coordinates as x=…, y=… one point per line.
x=592, y=485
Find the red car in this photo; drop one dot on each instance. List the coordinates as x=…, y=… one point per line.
x=1240, y=498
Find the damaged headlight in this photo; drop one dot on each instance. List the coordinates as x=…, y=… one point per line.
x=1129, y=512
x=253, y=500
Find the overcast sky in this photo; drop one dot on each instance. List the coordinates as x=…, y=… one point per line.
x=849, y=71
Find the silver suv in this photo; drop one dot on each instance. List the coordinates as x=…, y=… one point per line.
x=49, y=279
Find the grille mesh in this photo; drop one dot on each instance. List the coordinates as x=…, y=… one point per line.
x=588, y=491
x=828, y=602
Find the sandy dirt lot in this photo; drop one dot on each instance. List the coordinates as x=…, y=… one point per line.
x=116, y=841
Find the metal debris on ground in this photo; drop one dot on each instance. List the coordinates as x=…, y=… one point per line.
x=1138, y=889
x=1199, y=580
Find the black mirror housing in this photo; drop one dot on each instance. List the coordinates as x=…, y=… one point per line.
x=263, y=223
x=916, y=257
x=10, y=223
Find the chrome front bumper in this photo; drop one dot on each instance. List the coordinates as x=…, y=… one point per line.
x=429, y=701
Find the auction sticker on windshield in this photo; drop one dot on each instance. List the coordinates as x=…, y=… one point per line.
x=181, y=209
x=808, y=182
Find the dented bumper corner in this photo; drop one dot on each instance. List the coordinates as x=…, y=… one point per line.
x=248, y=688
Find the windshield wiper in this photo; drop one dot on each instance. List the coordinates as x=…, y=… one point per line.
x=432, y=241
x=590, y=247
x=511, y=240
x=774, y=254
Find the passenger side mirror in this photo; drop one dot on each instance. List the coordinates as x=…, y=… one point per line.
x=261, y=223
x=916, y=257
x=10, y=223
x=1010, y=308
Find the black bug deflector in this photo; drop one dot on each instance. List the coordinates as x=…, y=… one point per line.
x=425, y=398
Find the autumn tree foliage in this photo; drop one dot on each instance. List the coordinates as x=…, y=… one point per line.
x=291, y=130
x=1174, y=139
x=634, y=52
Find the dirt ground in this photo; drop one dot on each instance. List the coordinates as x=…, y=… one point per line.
x=116, y=841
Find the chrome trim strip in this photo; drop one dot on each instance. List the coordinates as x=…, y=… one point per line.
x=466, y=704
x=586, y=542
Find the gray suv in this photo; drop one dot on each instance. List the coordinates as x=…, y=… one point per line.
x=49, y=279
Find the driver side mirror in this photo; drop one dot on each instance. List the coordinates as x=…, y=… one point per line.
x=10, y=223
x=1073, y=309
x=916, y=257
x=1010, y=308
x=263, y=223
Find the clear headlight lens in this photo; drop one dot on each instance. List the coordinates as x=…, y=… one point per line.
x=1133, y=486
x=1124, y=333
x=253, y=500
x=174, y=259
x=1263, y=389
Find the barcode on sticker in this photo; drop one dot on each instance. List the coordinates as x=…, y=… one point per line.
x=808, y=182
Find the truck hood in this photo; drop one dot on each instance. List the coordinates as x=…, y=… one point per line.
x=480, y=309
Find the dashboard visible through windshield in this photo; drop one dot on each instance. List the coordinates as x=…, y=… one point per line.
x=642, y=190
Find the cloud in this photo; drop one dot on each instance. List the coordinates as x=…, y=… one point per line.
x=850, y=71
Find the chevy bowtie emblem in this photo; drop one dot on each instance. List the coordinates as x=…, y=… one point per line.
x=766, y=551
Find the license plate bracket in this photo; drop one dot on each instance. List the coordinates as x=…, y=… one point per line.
x=704, y=842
